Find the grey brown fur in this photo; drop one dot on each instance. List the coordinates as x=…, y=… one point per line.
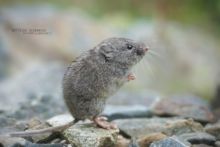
x=93, y=77
x=97, y=74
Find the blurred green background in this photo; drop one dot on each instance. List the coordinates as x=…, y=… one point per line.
x=197, y=12
x=182, y=35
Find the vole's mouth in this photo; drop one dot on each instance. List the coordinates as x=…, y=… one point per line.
x=141, y=51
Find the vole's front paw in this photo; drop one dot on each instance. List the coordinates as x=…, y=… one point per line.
x=131, y=77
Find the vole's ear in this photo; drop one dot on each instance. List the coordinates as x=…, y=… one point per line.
x=106, y=51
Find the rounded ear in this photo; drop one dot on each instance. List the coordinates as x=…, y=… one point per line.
x=106, y=51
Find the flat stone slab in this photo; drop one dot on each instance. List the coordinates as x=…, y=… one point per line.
x=126, y=111
x=187, y=106
x=85, y=134
x=88, y=135
x=169, y=126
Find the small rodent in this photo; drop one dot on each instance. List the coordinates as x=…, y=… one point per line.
x=94, y=76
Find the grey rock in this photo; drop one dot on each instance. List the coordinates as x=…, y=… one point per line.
x=187, y=106
x=169, y=126
x=84, y=134
x=39, y=85
x=33, y=124
x=198, y=138
x=11, y=125
x=88, y=135
x=122, y=141
x=126, y=104
x=39, y=90
x=181, y=126
x=169, y=142
x=20, y=142
x=37, y=106
x=57, y=140
x=213, y=129
x=126, y=111
x=44, y=137
x=133, y=143
x=12, y=141
x=5, y=121
x=217, y=143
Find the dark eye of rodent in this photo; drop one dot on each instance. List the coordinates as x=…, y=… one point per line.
x=129, y=46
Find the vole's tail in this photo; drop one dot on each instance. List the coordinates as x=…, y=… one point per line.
x=42, y=131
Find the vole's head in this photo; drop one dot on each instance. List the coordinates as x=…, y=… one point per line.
x=122, y=51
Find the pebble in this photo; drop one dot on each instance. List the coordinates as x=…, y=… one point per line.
x=198, y=138
x=148, y=139
x=188, y=106
x=44, y=137
x=88, y=135
x=169, y=142
x=217, y=143
x=61, y=119
x=213, y=129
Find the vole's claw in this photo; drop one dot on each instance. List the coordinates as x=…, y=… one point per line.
x=101, y=122
x=102, y=118
x=131, y=77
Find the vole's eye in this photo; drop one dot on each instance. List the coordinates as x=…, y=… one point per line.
x=129, y=46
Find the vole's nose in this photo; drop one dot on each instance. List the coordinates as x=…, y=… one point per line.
x=146, y=49
x=142, y=51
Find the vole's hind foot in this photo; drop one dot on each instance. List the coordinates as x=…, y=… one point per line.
x=131, y=77
x=102, y=123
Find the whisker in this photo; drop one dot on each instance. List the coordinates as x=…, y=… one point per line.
x=152, y=52
x=149, y=68
x=134, y=69
x=141, y=66
x=155, y=63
